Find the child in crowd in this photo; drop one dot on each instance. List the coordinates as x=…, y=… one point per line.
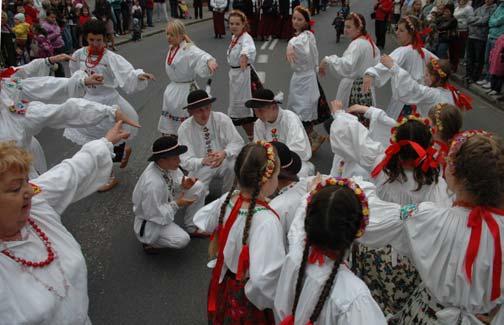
x=316, y=286
x=41, y=47
x=249, y=240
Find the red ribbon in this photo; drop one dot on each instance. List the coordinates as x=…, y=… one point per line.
x=476, y=217
x=7, y=73
x=370, y=40
x=463, y=101
x=394, y=149
x=418, y=44
x=244, y=259
x=430, y=161
x=288, y=320
x=316, y=256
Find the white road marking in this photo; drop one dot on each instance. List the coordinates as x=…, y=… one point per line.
x=265, y=45
x=262, y=76
x=273, y=44
x=262, y=58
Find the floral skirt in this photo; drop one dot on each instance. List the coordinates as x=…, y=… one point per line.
x=419, y=309
x=391, y=285
x=358, y=97
x=233, y=307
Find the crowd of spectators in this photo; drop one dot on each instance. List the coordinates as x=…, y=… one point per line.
x=470, y=34
x=37, y=29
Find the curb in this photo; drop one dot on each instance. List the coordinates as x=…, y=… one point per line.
x=480, y=92
x=161, y=29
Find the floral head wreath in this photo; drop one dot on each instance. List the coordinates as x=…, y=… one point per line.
x=345, y=182
x=461, y=138
x=437, y=68
x=404, y=119
x=270, y=164
x=437, y=115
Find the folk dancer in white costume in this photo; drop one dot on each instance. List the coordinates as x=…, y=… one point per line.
x=277, y=124
x=407, y=172
x=161, y=191
x=212, y=141
x=457, y=250
x=43, y=272
x=243, y=79
x=410, y=56
x=304, y=93
x=117, y=72
x=23, y=115
x=316, y=286
x=184, y=62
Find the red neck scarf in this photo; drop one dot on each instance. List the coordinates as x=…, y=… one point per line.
x=463, y=101
x=172, y=54
x=243, y=261
x=477, y=215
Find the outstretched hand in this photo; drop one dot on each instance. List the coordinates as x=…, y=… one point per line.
x=146, y=76
x=188, y=182
x=358, y=109
x=387, y=61
x=116, y=133
x=94, y=80
x=61, y=58
x=336, y=106
x=120, y=116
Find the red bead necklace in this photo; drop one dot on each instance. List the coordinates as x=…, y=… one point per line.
x=171, y=55
x=47, y=244
x=90, y=63
x=235, y=41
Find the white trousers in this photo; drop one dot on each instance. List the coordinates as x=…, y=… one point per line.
x=224, y=171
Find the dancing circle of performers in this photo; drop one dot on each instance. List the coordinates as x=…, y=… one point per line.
x=406, y=229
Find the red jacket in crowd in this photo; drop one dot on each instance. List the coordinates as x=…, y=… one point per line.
x=31, y=13
x=383, y=9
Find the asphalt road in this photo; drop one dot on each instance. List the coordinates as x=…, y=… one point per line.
x=125, y=285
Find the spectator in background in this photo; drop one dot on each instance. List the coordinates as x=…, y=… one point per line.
x=396, y=15
x=476, y=42
x=174, y=8
x=84, y=16
x=496, y=68
x=54, y=36
x=495, y=29
x=160, y=8
x=116, y=7
x=41, y=47
x=70, y=26
x=8, y=47
x=446, y=29
x=136, y=12
x=218, y=8
x=462, y=13
x=21, y=10
x=21, y=29
x=126, y=15
x=415, y=10
x=103, y=11
x=31, y=11
x=149, y=7
x=382, y=12
x=198, y=9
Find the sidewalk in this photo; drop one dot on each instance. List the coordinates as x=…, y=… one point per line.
x=159, y=27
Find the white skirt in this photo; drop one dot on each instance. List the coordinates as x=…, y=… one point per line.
x=239, y=92
x=174, y=99
x=304, y=95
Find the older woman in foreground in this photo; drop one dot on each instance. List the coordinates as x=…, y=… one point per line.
x=43, y=276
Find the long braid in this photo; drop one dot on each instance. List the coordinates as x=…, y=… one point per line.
x=250, y=212
x=225, y=203
x=301, y=273
x=326, y=289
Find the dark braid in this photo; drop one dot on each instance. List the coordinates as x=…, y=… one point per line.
x=225, y=203
x=326, y=291
x=300, y=278
x=250, y=212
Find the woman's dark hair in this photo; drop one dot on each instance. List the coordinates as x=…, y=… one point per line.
x=445, y=67
x=50, y=12
x=249, y=169
x=333, y=218
x=449, y=118
x=479, y=166
x=94, y=26
x=420, y=133
x=306, y=15
x=450, y=7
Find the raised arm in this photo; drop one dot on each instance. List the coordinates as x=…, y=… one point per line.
x=207, y=218
x=54, y=90
x=409, y=91
x=126, y=75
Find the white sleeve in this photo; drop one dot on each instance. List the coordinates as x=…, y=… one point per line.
x=286, y=286
x=188, y=160
x=199, y=61
x=351, y=140
x=54, y=90
x=296, y=235
x=73, y=113
x=297, y=139
x=380, y=124
x=125, y=74
x=363, y=310
x=381, y=73
x=207, y=218
x=77, y=177
x=267, y=254
x=248, y=49
x=258, y=131
x=156, y=206
x=344, y=66
x=36, y=68
x=233, y=139
x=408, y=91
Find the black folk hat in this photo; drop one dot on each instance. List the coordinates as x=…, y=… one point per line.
x=260, y=98
x=198, y=98
x=290, y=162
x=166, y=146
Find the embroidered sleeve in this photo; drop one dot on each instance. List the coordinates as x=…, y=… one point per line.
x=408, y=211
